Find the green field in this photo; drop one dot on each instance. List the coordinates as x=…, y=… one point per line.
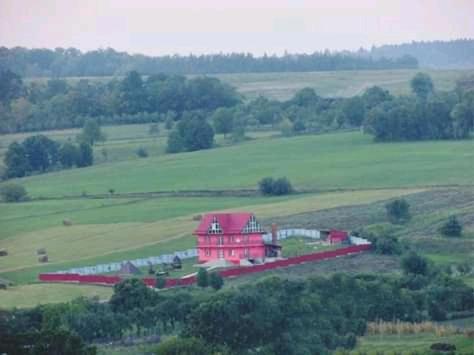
x=282, y=86
x=406, y=343
x=330, y=161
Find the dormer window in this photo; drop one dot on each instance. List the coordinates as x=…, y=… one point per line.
x=215, y=227
x=252, y=226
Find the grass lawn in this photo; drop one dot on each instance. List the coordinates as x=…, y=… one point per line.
x=406, y=343
x=330, y=161
x=31, y=295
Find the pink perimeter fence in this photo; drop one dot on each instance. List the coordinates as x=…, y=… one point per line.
x=186, y=281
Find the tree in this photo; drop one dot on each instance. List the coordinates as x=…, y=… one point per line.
x=42, y=152
x=286, y=128
x=192, y=133
x=160, y=282
x=202, y=277
x=282, y=186
x=451, y=228
x=265, y=186
x=412, y=263
x=216, y=281
x=86, y=156
x=374, y=96
x=16, y=161
x=142, y=152
x=463, y=116
x=354, y=110
x=11, y=86
x=91, y=133
x=13, y=192
x=175, y=142
x=132, y=96
x=223, y=119
x=68, y=155
x=130, y=294
x=422, y=85
x=398, y=211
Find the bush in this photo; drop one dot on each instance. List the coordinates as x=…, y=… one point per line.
x=216, y=281
x=398, y=211
x=266, y=186
x=276, y=187
x=160, y=282
x=182, y=346
x=202, y=277
x=413, y=263
x=13, y=193
x=452, y=227
x=142, y=152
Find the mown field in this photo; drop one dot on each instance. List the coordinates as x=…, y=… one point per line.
x=331, y=161
x=282, y=86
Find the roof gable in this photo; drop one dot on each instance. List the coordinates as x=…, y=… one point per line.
x=228, y=223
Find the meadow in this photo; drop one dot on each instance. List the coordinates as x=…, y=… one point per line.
x=348, y=160
x=282, y=86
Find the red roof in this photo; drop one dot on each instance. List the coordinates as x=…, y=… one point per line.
x=229, y=222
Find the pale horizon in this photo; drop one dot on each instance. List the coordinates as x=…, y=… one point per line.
x=207, y=27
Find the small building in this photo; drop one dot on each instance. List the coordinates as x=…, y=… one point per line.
x=337, y=236
x=232, y=237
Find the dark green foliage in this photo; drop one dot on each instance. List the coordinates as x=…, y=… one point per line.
x=374, y=96
x=216, y=281
x=130, y=294
x=91, y=133
x=68, y=155
x=452, y=227
x=191, y=133
x=11, y=86
x=202, y=277
x=398, y=211
x=354, y=110
x=413, y=263
x=142, y=152
x=422, y=85
x=42, y=152
x=276, y=187
x=13, y=192
x=183, y=346
x=160, y=282
x=16, y=161
x=86, y=156
x=223, y=120
x=266, y=186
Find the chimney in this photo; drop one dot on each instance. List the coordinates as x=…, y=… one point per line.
x=274, y=234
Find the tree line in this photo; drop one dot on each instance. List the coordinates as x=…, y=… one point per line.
x=66, y=62
x=57, y=103
x=273, y=316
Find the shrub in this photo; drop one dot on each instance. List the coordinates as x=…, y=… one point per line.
x=160, y=282
x=202, y=277
x=13, y=193
x=142, y=152
x=452, y=227
x=398, y=211
x=276, y=187
x=216, y=281
x=266, y=186
x=413, y=263
x=182, y=346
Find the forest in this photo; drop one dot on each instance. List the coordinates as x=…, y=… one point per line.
x=271, y=316
x=67, y=62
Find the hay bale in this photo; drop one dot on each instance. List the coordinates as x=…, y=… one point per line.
x=43, y=259
x=197, y=217
x=3, y=252
x=67, y=222
x=41, y=251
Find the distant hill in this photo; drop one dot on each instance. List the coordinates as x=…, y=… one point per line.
x=456, y=54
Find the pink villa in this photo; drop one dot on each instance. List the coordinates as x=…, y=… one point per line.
x=233, y=237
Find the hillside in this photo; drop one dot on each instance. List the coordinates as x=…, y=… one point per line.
x=331, y=161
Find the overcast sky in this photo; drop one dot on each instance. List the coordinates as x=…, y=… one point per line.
x=157, y=27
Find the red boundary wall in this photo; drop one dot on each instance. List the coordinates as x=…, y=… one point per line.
x=186, y=281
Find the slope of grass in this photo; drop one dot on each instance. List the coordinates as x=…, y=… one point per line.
x=31, y=295
x=342, y=160
x=282, y=86
x=83, y=242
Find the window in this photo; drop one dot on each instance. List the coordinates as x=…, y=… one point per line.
x=220, y=253
x=215, y=227
x=208, y=252
x=246, y=252
x=252, y=226
x=221, y=241
x=208, y=240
